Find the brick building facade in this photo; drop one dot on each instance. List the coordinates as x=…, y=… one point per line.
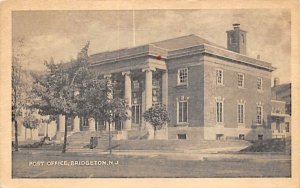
x=211, y=92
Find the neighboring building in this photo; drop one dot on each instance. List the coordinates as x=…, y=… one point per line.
x=281, y=109
x=211, y=92
x=42, y=130
x=280, y=120
x=282, y=92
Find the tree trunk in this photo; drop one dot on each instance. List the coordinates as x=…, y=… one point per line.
x=31, y=134
x=154, y=133
x=47, y=130
x=65, y=135
x=109, y=137
x=25, y=130
x=16, y=145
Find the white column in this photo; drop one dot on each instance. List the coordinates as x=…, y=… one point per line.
x=92, y=124
x=165, y=88
x=76, y=124
x=148, y=87
x=61, y=123
x=127, y=96
x=148, y=97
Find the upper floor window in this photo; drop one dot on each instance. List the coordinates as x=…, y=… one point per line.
x=241, y=80
x=259, y=83
x=219, y=77
x=182, y=76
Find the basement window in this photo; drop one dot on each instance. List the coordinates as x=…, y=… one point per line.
x=219, y=136
x=241, y=137
x=181, y=136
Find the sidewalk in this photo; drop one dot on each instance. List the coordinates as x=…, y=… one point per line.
x=204, y=154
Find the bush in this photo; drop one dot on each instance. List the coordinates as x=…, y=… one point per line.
x=157, y=116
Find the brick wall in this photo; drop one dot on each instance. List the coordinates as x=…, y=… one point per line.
x=194, y=89
x=232, y=94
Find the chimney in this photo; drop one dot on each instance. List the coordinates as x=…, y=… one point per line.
x=236, y=26
x=236, y=39
x=258, y=57
x=276, y=81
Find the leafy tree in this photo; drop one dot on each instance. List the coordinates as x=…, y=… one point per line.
x=95, y=99
x=113, y=109
x=20, y=89
x=56, y=91
x=31, y=120
x=74, y=89
x=157, y=116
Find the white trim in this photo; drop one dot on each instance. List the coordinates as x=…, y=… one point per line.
x=178, y=76
x=221, y=101
x=182, y=99
x=273, y=100
x=244, y=114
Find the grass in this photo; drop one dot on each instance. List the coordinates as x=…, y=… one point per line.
x=169, y=144
x=271, y=145
x=147, y=166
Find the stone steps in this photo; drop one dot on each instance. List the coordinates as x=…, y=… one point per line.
x=82, y=139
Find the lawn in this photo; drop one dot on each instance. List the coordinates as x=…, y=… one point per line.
x=147, y=166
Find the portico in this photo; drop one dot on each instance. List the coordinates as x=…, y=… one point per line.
x=141, y=87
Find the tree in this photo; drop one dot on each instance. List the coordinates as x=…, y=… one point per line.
x=113, y=109
x=73, y=89
x=56, y=91
x=20, y=89
x=157, y=116
x=31, y=120
x=95, y=99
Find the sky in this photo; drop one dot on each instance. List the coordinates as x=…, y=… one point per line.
x=61, y=34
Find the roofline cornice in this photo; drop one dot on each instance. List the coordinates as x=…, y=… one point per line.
x=124, y=58
x=205, y=51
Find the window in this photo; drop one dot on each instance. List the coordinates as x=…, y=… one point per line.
x=136, y=85
x=219, y=111
x=219, y=136
x=287, y=127
x=182, y=110
x=259, y=83
x=182, y=76
x=241, y=113
x=240, y=80
x=136, y=111
x=259, y=114
x=181, y=136
x=243, y=38
x=241, y=137
x=260, y=137
x=219, y=77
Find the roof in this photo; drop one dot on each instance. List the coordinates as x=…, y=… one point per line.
x=281, y=87
x=171, y=48
x=183, y=42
